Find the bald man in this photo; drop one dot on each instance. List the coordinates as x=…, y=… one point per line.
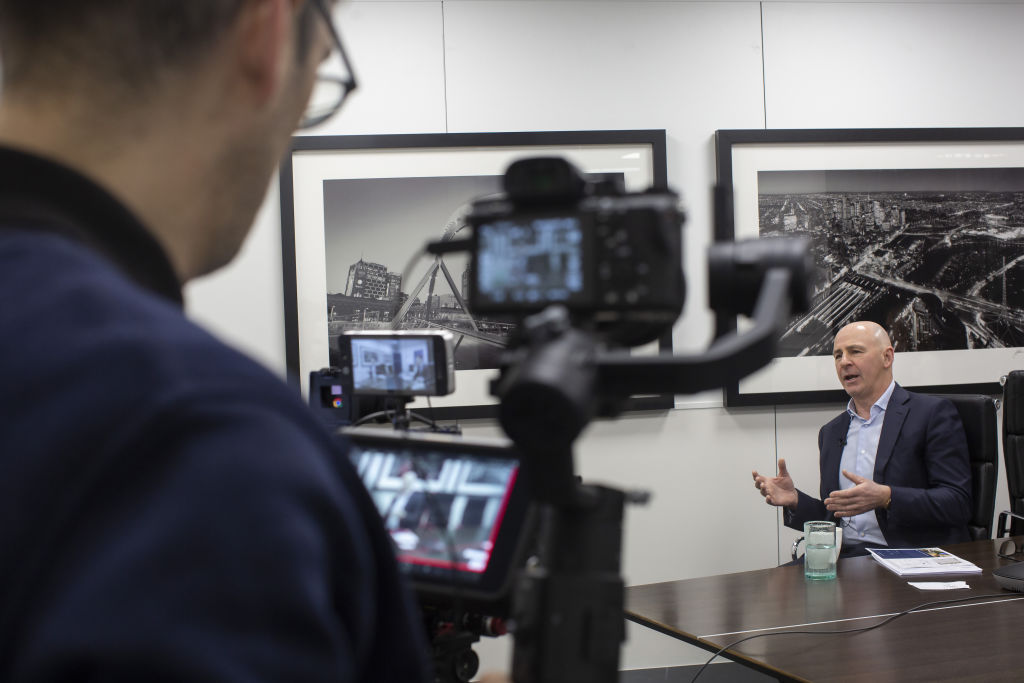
x=894, y=466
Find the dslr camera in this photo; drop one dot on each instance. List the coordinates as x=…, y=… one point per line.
x=612, y=258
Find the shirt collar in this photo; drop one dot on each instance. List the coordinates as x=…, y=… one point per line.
x=879, y=406
x=39, y=194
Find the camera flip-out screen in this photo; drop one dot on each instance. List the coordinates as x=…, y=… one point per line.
x=529, y=262
x=455, y=508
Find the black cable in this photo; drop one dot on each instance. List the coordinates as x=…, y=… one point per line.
x=448, y=246
x=373, y=416
x=392, y=415
x=1004, y=596
x=434, y=427
x=427, y=420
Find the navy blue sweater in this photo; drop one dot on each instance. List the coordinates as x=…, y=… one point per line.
x=169, y=510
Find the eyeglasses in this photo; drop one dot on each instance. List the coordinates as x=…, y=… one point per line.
x=335, y=78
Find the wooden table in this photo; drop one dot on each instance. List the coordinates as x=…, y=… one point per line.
x=981, y=640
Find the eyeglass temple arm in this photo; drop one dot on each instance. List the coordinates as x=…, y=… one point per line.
x=338, y=45
x=1002, y=528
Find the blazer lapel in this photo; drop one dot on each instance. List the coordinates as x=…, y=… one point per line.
x=895, y=414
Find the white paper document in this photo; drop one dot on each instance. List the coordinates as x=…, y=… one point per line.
x=922, y=561
x=938, y=585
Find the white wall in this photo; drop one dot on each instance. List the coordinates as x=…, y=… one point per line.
x=690, y=67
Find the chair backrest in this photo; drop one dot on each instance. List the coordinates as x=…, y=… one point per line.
x=1013, y=443
x=978, y=413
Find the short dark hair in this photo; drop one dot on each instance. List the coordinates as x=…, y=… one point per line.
x=124, y=41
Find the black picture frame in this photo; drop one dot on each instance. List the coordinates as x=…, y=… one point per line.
x=320, y=169
x=764, y=173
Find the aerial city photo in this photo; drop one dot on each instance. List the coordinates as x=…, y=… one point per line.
x=934, y=255
x=374, y=227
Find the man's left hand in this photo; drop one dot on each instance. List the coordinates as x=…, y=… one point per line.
x=865, y=495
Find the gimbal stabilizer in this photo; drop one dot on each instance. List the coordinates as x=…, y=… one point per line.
x=568, y=605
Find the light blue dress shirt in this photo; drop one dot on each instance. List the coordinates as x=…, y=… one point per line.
x=859, y=457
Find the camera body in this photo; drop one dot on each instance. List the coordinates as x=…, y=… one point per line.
x=403, y=363
x=612, y=258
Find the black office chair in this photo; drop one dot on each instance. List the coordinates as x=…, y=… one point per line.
x=978, y=413
x=1013, y=450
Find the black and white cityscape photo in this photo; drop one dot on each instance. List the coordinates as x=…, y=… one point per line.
x=372, y=228
x=934, y=255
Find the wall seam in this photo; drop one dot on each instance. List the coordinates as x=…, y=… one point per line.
x=444, y=67
x=764, y=80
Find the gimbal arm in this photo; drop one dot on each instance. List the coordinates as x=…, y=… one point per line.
x=729, y=358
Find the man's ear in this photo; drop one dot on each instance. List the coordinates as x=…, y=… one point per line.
x=264, y=45
x=887, y=357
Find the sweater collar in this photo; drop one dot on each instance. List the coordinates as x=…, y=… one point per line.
x=40, y=194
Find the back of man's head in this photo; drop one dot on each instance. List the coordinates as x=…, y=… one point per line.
x=115, y=44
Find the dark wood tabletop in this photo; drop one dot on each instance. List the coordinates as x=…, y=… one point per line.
x=976, y=640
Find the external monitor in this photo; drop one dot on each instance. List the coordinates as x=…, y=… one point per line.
x=404, y=363
x=456, y=508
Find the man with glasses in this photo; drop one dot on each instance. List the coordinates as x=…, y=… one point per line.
x=894, y=466
x=171, y=511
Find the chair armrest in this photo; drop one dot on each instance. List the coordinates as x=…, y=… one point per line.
x=796, y=547
x=1002, y=528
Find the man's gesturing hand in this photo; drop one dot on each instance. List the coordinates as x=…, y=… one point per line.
x=778, y=490
x=866, y=495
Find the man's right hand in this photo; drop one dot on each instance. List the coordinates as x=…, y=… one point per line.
x=780, y=490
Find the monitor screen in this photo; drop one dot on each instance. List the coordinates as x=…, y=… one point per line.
x=451, y=506
x=399, y=365
x=531, y=263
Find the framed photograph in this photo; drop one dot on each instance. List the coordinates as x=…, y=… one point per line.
x=919, y=230
x=357, y=211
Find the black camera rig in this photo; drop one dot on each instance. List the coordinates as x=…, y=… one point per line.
x=589, y=270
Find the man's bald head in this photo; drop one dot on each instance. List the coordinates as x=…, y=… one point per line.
x=867, y=329
x=863, y=355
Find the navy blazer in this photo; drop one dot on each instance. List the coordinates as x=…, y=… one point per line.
x=922, y=455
